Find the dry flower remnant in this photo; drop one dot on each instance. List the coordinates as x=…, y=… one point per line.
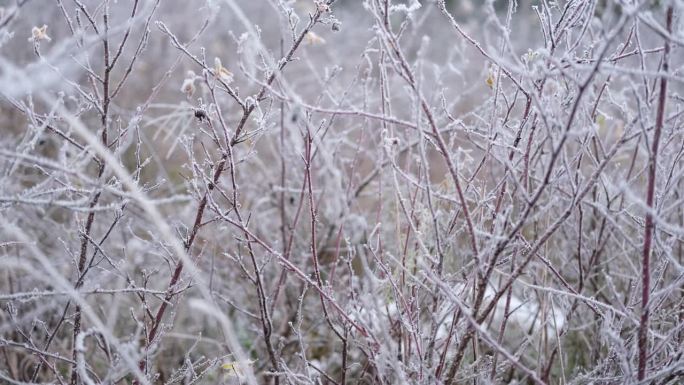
x=314, y=39
x=188, y=87
x=237, y=369
x=322, y=6
x=490, y=80
x=222, y=72
x=39, y=34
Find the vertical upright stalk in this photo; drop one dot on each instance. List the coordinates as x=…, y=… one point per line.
x=96, y=197
x=650, y=196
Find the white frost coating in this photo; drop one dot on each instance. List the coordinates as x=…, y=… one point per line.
x=413, y=6
x=337, y=204
x=524, y=319
x=80, y=357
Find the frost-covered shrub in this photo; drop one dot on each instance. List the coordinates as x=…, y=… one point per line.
x=341, y=192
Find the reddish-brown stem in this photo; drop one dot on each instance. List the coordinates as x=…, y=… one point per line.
x=91, y=216
x=649, y=226
x=156, y=322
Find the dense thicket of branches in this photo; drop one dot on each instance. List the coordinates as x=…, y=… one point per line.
x=349, y=192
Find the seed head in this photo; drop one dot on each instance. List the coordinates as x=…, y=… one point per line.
x=313, y=39
x=38, y=34
x=221, y=72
